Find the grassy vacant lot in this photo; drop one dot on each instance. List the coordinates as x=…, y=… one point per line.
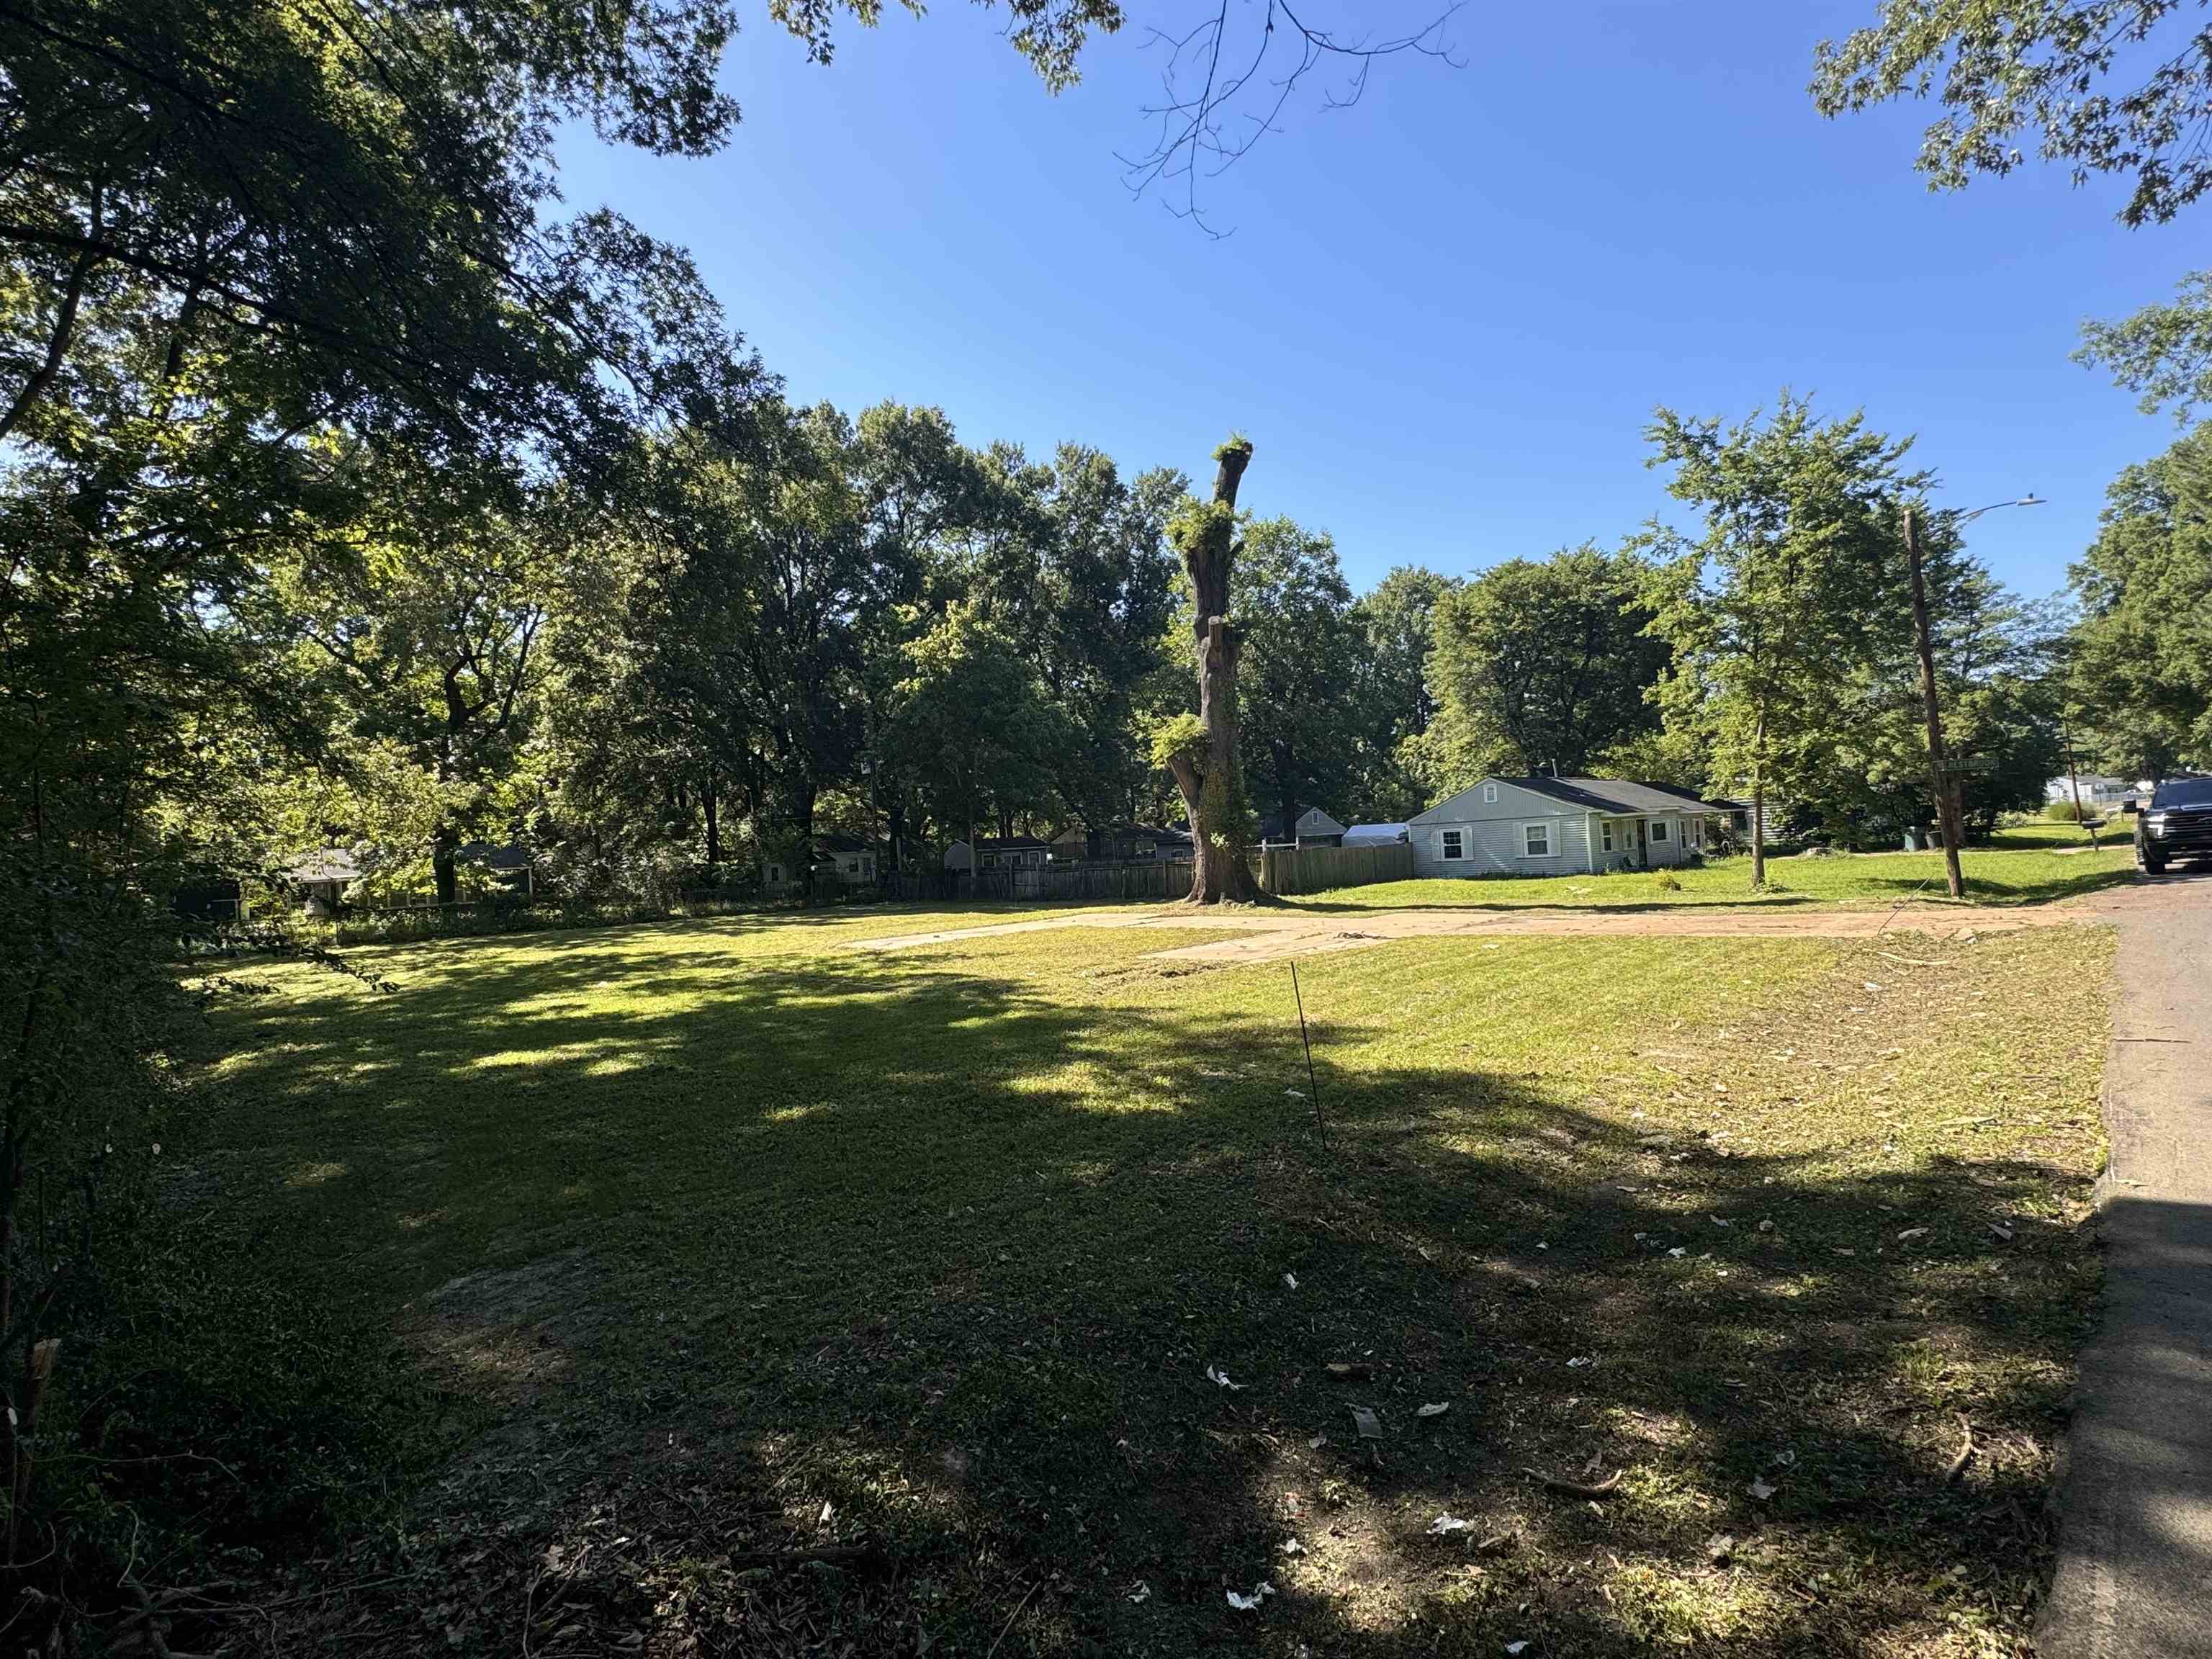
x=2025, y=866
x=724, y=1240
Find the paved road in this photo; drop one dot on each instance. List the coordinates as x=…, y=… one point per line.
x=2135, y=1560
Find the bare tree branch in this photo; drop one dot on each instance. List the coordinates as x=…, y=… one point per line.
x=1227, y=79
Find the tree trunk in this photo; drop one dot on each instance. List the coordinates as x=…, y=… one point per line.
x=1758, y=807
x=707, y=799
x=1220, y=835
x=445, y=850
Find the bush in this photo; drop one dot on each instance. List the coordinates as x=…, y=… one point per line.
x=217, y=1402
x=1666, y=882
x=2062, y=812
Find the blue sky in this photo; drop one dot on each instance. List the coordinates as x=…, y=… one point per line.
x=1445, y=314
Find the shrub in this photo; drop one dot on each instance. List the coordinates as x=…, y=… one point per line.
x=214, y=1401
x=1666, y=882
x=2064, y=811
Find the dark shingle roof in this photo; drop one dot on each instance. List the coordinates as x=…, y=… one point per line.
x=1610, y=794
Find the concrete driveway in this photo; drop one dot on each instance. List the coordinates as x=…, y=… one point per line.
x=2135, y=1555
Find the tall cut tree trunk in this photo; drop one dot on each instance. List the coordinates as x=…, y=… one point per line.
x=1220, y=837
x=707, y=799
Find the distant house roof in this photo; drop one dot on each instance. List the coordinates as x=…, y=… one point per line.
x=324, y=864
x=1597, y=795
x=513, y=855
x=1009, y=844
x=1154, y=831
x=1612, y=794
x=1311, y=822
x=1373, y=835
x=839, y=844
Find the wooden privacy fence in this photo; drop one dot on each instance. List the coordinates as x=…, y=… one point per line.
x=1278, y=869
x=1318, y=869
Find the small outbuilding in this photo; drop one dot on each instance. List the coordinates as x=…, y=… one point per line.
x=1314, y=827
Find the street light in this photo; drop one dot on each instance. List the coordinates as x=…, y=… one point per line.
x=1946, y=800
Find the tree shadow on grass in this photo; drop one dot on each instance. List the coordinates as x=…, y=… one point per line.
x=912, y=1253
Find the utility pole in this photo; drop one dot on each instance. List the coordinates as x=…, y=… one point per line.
x=2074, y=779
x=1946, y=808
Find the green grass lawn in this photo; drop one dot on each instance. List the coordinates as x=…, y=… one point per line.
x=724, y=1240
x=2024, y=865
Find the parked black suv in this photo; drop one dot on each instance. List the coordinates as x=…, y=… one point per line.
x=2175, y=823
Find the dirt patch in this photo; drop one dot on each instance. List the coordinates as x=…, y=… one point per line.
x=1274, y=935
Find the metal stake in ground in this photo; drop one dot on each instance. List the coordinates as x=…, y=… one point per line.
x=1321, y=1127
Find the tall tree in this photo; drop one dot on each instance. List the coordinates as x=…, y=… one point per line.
x=974, y=719
x=1201, y=750
x=2142, y=647
x=1792, y=592
x=1300, y=682
x=1398, y=702
x=1545, y=664
x=424, y=632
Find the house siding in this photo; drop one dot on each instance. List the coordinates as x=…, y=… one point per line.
x=1495, y=847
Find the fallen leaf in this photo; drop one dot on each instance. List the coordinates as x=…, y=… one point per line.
x=1143, y=1592
x=1448, y=1523
x=1291, y=1279
x=1719, y=1547
x=1437, y=1409
x=1291, y=1546
x=1250, y=1603
x=1371, y=1427
x=1221, y=1379
x=1912, y=1232
x=1678, y=1252
x=1760, y=1490
x=1515, y=1647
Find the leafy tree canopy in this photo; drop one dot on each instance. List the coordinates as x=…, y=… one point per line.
x=2116, y=86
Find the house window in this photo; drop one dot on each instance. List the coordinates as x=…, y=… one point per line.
x=1454, y=843
x=1490, y=794
x=1658, y=830
x=1604, y=832
x=1146, y=848
x=990, y=860
x=1536, y=839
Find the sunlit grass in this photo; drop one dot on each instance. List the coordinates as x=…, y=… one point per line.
x=2023, y=869
x=726, y=1223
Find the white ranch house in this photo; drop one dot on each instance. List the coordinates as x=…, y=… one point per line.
x=1546, y=826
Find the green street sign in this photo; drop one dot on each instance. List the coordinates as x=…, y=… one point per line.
x=1963, y=765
